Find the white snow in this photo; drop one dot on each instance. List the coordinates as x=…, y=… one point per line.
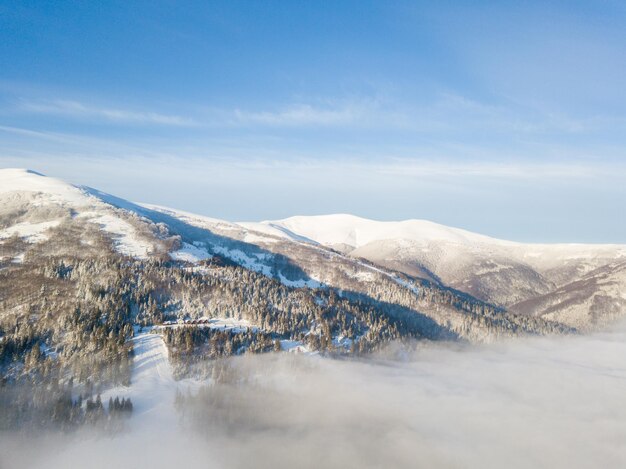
x=452, y=255
x=426, y=241
x=363, y=275
x=254, y=238
x=18, y=259
x=356, y=232
x=232, y=324
x=25, y=180
x=370, y=277
x=190, y=253
x=190, y=218
x=45, y=191
x=274, y=230
x=342, y=342
x=153, y=387
x=124, y=234
x=241, y=258
x=31, y=232
x=294, y=346
x=310, y=283
x=223, y=324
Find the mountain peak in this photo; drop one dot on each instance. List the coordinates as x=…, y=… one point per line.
x=355, y=231
x=29, y=181
x=19, y=171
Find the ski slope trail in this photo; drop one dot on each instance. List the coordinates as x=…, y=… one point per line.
x=153, y=387
x=154, y=423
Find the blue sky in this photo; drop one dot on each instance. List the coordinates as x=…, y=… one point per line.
x=507, y=118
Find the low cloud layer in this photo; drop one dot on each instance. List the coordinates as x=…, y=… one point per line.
x=527, y=403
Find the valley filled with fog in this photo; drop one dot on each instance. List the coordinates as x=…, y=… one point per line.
x=533, y=402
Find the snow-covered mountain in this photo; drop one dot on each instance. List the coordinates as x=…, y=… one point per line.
x=33, y=205
x=352, y=232
x=98, y=294
x=503, y=272
x=411, y=264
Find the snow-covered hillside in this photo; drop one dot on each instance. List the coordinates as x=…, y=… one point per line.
x=345, y=252
x=355, y=232
x=153, y=387
x=31, y=204
x=500, y=271
x=352, y=233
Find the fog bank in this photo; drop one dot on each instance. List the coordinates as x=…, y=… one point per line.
x=556, y=402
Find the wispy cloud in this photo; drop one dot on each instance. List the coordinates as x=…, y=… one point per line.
x=228, y=155
x=33, y=133
x=70, y=108
x=543, y=201
x=457, y=111
x=446, y=115
x=331, y=113
x=531, y=171
x=45, y=145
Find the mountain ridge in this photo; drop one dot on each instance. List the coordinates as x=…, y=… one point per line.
x=499, y=271
x=320, y=250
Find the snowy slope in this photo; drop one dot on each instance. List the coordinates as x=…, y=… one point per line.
x=593, y=301
x=155, y=419
x=153, y=387
x=26, y=180
x=353, y=231
x=296, y=250
x=31, y=204
x=495, y=270
x=357, y=232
